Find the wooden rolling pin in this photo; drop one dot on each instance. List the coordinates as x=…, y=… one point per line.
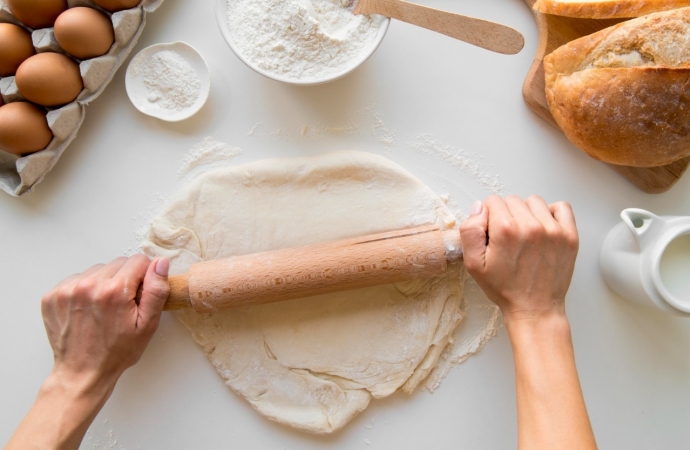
x=383, y=258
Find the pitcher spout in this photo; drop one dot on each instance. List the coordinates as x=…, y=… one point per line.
x=644, y=226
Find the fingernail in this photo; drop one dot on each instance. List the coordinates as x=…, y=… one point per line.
x=477, y=208
x=162, y=267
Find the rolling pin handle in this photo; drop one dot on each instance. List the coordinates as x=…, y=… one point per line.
x=179, y=294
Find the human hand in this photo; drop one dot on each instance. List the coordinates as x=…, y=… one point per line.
x=97, y=330
x=94, y=325
x=522, y=254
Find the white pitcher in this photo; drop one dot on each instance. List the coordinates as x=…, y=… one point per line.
x=646, y=258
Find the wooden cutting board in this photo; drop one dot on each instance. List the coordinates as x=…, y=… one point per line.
x=555, y=31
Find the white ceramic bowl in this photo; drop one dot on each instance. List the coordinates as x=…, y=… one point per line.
x=138, y=92
x=221, y=17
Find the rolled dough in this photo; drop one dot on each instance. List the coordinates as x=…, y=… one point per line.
x=313, y=363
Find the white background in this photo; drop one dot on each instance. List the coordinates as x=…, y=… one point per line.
x=633, y=361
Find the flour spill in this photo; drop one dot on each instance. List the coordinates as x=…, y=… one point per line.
x=366, y=121
x=482, y=323
x=208, y=151
x=254, y=128
x=143, y=219
x=468, y=163
x=107, y=441
x=379, y=130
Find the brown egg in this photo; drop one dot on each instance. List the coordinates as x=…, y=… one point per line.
x=49, y=79
x=116, y=5
x=15, y=47
x=23, y=128
x=37, y=13
x=84, y=32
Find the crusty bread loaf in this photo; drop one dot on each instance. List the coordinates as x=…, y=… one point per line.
x=623, y=94
x=606, y=9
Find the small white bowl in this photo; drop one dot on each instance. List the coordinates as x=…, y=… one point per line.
x=221, y=18
x=138, y=92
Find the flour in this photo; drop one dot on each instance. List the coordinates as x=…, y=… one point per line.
x=141, y=220
x=460, y=159
x=300, y=39
x=481, y=325
x=171, y=81
x=208, y=151
x=363, y=122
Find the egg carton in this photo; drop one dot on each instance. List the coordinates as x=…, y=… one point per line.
x=20, y=175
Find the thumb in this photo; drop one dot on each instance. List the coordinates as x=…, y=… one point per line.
x=155, y=292
x=473, y=233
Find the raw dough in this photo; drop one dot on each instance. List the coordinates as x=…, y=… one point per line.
x=313, y=363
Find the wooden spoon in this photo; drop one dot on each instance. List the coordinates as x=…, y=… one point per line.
x=482, y=33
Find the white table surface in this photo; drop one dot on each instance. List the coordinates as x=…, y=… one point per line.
x=633, y=361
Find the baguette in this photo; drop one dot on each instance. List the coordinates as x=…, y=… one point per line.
x=606, y=9
x=623, y=94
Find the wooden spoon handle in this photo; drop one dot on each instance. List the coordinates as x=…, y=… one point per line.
x=482, y=33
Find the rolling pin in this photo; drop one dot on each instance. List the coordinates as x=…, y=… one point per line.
x=420, y=252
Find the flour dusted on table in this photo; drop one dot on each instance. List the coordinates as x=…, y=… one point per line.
x=300, y=39
x=171, y=81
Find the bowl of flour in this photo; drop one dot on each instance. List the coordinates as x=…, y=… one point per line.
x=168, y=81
x=302, y=42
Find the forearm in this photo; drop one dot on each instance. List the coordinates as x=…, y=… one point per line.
x=62, y=413
x=551, y=408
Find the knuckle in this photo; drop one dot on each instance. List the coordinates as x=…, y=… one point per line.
x=573, y=241
x=112, y=290
x=565, y=238
x=563, y=205
x=64, y=295
x=472, y=265
x=140, y=259
x=120, y=259
x=158, y=290
x=58, y=297
x=534, y=199
x=506, y=227
x=84, y=287
x=106, y=291
x=513, y=197
x=161, y=289
x=493, y=199
x=47, y=300
x=533, y=232
x=466, y=228
x=92, y=269
x=553, y=231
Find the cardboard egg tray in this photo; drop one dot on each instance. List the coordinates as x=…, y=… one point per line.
x=19, y=175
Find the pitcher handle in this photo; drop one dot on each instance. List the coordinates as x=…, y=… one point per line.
x=642, y=224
